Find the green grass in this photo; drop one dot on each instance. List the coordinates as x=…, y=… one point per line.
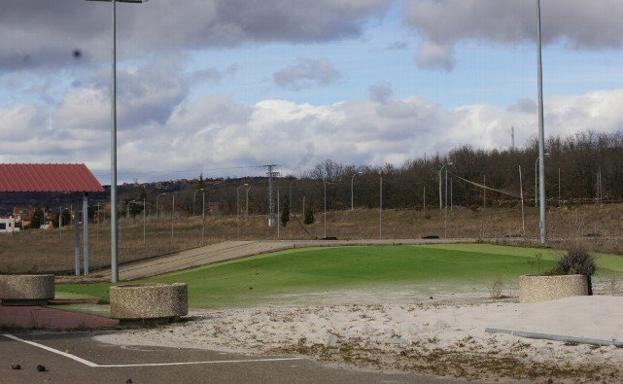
x=262, y=278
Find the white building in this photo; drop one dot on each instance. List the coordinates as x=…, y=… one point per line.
x=8, y=224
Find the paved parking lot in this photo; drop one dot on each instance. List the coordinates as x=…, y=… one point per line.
x=77, y=358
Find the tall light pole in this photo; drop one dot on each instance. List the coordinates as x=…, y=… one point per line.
x=114, y=223
x=352, y=191
x=542, y=223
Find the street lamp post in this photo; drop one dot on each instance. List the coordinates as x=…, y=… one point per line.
x=542, y=223
x=114, y=223
x=352, y=191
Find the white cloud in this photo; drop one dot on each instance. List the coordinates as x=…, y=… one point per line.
x=215, y=132
x=581, y=24
x=39, y=33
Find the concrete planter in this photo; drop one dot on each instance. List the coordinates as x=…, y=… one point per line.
x=148, y=301
x=26, y=289
x=536, y=289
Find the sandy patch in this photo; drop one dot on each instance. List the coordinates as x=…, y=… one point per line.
x=428, y=338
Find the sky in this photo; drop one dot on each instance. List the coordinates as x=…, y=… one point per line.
x=221, y=86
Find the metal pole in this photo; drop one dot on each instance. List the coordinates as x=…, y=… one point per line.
x=85, y=233
x=278, y=215
x=523, y=217
x=542, y=222
x=76, y=241
x=325, y=208
x=203, y=215
x=60, y=223
x=381, y=206
x=172, y=218
x=114, y=224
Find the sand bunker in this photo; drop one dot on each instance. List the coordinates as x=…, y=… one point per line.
x=437, y=339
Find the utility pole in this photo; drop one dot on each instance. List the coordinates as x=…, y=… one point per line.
x=424, y=199
x=512, y=138
x=542, y=219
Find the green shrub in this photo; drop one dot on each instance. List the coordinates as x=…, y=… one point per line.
x=576, y=262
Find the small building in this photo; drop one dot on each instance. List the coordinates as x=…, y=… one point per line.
x=72, y=179
x=8, y=225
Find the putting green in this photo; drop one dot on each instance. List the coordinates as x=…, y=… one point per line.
x=258, y=279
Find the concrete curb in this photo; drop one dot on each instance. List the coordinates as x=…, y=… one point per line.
x=148, y=301
x=26, y=289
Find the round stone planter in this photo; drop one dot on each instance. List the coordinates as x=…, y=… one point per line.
x=148, y=301
x=26, y=289
x=536, y=289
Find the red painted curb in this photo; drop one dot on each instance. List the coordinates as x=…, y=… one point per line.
x=51, y=319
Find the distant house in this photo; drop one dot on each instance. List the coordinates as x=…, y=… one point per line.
x=8, y=225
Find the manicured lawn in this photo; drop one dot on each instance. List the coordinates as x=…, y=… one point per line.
x=316, y=270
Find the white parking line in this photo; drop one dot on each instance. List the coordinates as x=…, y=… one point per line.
x=95, y=365
x=45, y=347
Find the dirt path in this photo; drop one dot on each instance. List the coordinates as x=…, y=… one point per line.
x=230, y=250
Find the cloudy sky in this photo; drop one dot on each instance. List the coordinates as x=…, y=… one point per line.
x=218, y=86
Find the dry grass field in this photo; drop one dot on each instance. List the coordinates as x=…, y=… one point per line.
x=596, y=227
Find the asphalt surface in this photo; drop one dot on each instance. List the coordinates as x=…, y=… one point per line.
x=231, y=250
x=104, y=363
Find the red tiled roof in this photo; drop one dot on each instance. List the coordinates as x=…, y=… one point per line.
x=47, y=178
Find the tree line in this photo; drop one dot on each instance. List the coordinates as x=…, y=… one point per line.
x=584, y=167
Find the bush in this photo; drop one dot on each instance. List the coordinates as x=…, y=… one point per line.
x=577, y=262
